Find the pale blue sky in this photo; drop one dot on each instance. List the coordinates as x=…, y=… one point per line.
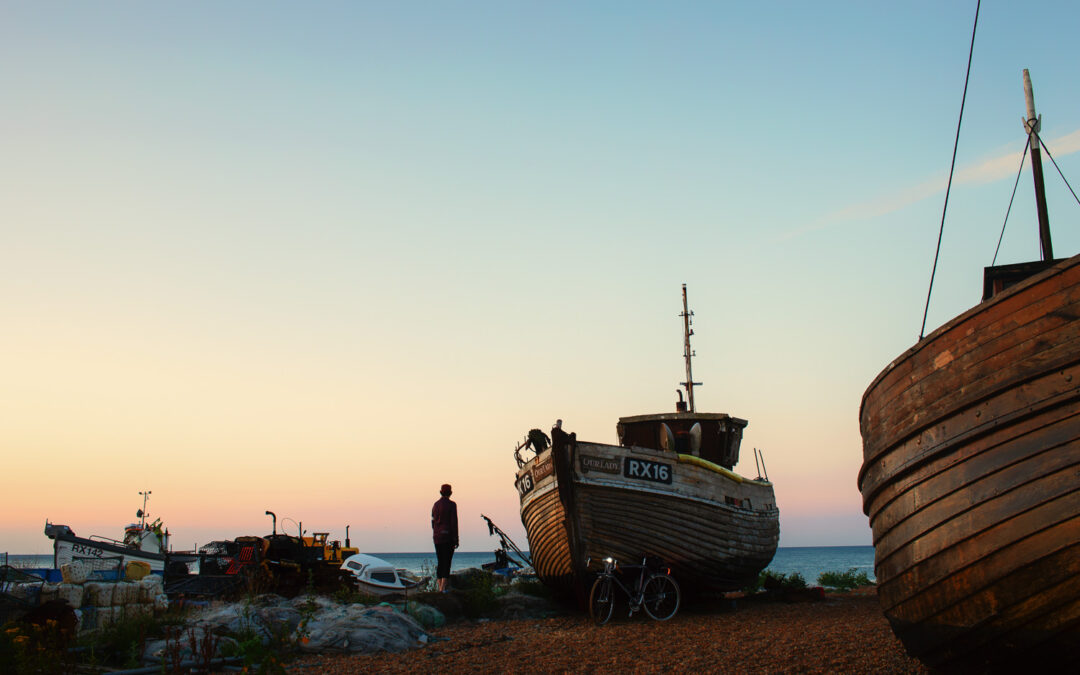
x=358, y=249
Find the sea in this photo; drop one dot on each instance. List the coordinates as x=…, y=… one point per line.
x=809, y=561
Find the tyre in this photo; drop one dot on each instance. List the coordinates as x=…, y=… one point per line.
x=601, y=601
x=660, y=597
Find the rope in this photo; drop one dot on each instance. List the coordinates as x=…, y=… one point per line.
x=952, y=168
x=1017, y=182
x=1011, y=198
x=1054, y=162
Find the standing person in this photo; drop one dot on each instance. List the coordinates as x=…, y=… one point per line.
x=444, y=532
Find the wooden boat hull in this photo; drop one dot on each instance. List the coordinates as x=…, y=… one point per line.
x=971, y=480
x=587, y=501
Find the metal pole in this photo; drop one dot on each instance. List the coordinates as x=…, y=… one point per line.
x=687, y=353
x=1032, y=126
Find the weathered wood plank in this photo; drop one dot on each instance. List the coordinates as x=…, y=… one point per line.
x=971, y=480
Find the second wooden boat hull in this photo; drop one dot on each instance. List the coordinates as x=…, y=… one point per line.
x=714, y=529
x=971, y=480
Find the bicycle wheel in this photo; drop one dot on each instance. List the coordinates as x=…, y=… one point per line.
x=601, y=601
x=660, y=597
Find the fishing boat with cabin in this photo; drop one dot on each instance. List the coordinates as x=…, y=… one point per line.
x=145, y=543
x=971, y=471
x=667, y=489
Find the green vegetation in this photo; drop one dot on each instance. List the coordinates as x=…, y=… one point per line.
x=777, y=581
x=351, y=596
x=119, y=644
x=844, y=581
x=480, y=595
x=27, y=648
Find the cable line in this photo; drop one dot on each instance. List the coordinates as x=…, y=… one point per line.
x=952, y=168
x=1011, y=198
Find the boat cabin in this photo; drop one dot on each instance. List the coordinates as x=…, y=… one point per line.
x=714, y=437
x=997, y=279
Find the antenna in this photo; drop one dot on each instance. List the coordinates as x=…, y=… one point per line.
x=142, y=512
x=687, y=352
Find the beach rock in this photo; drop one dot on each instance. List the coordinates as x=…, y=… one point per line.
x=360, y=629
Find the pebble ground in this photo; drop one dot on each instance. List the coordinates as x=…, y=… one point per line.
x=845, y=633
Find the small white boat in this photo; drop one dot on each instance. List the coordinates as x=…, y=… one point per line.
x=377, y=577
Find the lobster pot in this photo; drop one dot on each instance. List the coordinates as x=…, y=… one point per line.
x=74, y=572
x=98, y=594
x=125, y=593
x=150, y=587
x=72, y=594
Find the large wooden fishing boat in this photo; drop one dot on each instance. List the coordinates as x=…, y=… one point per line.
x=666, y=490
x=971, y=474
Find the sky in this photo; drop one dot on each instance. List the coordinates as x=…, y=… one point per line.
x=319, y=259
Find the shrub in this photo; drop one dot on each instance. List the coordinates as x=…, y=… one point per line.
x=778, y=581
x=121, y=643
x=28, y=648
x=352, y=596
x=479, y=596
x=844, y=581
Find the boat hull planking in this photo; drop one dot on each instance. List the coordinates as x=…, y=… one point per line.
x=971, y=480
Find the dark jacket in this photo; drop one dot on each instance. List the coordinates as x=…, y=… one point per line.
x=444, y=522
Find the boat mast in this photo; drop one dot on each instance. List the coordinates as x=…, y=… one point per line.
x=1032, y=126
x=687, y=352
x=142, y=511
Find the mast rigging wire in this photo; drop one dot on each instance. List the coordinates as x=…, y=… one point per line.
x=1011, y=198
x=952, y=168
x=1054, y=162
x=1017, y=182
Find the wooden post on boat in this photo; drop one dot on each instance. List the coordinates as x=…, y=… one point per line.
x=687, y=353
x=1032, y=126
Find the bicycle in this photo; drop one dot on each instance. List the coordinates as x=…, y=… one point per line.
x=655, y=592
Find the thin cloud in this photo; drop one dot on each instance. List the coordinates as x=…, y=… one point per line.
x=1004, y=163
